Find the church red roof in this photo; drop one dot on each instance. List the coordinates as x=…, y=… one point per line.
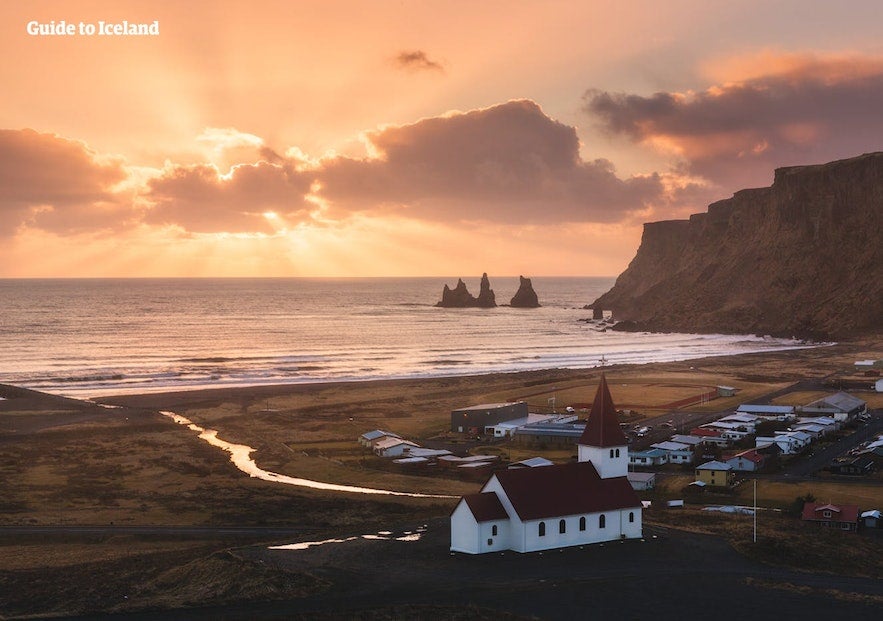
x=603, y=427
x=566, y=489
x=486, y=507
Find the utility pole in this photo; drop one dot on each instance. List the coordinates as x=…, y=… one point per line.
x=755, y=510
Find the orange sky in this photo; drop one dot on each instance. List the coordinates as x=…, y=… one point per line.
x=408, y=138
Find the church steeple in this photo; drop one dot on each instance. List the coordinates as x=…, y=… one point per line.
x=603, y=442
x=603, y=428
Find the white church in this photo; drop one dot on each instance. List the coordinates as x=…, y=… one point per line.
x=547, y=507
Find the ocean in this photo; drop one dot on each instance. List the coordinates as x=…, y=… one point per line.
x=93, y=337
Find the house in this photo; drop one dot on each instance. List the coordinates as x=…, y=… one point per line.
x=812, y=430
x=782, y=413
x=726, y=391
x=747, y=421
x=786, y=441
x=871, y=519
x=878, y=386
x=842, y=517
x=677, y=453
x=710, y=436
x=392, y=447
x=854, y=466
x=475, y=418
x=582, y=502
x=715, y=473
x=368, y=438
x=801, y=439
x=688, y=440
x=648, y=458
x=642, y=481
x=748, y=461
x=533, y=462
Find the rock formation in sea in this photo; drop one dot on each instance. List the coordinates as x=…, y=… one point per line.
x=486, y=297
x=802, y=257
x=459, y=296
x=525, y=297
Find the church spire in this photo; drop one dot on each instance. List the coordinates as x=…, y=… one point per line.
x=603, y=428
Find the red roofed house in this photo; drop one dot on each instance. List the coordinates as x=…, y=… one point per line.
x=748, y=461
x=843, y=517
x=530, y=509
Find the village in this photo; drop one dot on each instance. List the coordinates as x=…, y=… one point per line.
x=692, y=454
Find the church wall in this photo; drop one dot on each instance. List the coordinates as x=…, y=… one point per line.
x=616, y=524
x=607, y=466
x=464, y=530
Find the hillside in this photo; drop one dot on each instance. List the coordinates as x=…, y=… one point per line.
x=803, y=257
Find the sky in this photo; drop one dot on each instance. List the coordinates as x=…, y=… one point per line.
x=380, y=138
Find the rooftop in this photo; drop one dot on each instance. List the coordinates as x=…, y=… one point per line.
x=603, y=427
x=566, y=489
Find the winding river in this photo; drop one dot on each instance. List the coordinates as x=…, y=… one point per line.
x=240, y=455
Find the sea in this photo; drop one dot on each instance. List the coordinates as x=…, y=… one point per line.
x=96, y=337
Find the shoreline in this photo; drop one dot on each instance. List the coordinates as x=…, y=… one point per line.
x=835, y=357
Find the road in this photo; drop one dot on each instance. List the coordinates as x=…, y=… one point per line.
x=193, y=532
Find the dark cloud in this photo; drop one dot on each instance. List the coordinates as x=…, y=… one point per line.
x=201, y=200
x=508, y=163
x=736, y=134
x=55, y=184
x=417, y=60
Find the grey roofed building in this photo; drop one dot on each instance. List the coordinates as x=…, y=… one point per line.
x=714, y=465
x=477, y=417
x=682, y=439
x=840, y=402
x=532, y=462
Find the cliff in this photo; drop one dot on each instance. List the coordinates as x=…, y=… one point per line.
x=525, y=297
x=459, y=296
x=802, y=257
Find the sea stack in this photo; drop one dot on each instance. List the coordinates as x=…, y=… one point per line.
x=525, y=297
x=459, y=296
x=486, y=298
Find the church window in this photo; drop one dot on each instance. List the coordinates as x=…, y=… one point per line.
x=494, y=530
x=617, y=452
x=562, y=527
x=490, y=542
x=611, y=452
x=582, y=523
x=542, y=529
x=602, y=521
x=631, y=516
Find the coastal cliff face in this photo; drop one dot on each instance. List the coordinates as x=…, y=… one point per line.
x=803, y=258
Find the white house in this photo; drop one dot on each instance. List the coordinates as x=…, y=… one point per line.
x=879, y=385
x=641, y=481
x=748, y=421
x=788, y=444
x=530, y=509
x=369, y=438
x=392, y=447
x=677, y=453
x=650, y=457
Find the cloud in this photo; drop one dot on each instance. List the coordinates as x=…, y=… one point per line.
x=200, y=199
x=800, y=110
x=507, y=163
x=56, y=184
x=417, y=60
